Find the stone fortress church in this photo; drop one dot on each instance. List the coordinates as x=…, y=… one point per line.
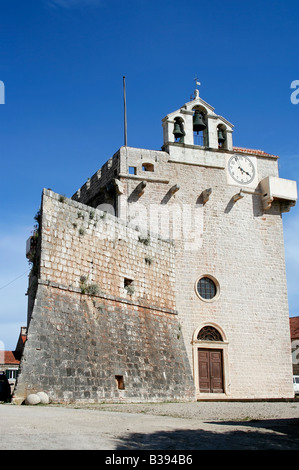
x=163, y=277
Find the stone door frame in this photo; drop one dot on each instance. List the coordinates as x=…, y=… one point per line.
x=222, y=345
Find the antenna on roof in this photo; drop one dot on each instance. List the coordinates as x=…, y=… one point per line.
x=125, y=111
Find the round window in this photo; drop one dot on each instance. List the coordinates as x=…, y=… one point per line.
x=207, y=288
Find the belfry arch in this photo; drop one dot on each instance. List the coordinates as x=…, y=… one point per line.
x=201, y=133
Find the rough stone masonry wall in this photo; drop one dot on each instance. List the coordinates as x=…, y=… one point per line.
x=89, y=335
x=79, y=241
x=242, y=247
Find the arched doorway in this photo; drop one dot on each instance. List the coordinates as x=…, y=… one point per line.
x=210, y=357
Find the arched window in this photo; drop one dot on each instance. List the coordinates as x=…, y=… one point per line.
x=209, y=333
x=147, y=167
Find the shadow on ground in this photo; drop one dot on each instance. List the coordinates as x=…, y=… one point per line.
x=279, y=434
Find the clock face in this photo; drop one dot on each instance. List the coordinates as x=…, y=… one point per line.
x=241, y=169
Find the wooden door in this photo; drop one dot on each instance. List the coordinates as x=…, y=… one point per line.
x=210, y=370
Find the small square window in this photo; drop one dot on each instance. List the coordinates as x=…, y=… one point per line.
x=129, y=286
x=127, y=282
x=132, y=170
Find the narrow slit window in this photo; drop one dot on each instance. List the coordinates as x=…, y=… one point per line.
x=120, y=382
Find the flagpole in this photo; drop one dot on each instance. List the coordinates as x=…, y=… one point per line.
x=125, y=111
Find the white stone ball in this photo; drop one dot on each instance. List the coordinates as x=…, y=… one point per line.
x=44, y=399
x=32, y=399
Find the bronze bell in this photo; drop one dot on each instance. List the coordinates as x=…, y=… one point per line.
x=178, y=133
x=198, y=124
x=221, y=137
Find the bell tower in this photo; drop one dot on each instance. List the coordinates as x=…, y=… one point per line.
x=163, y=265
x=196, y=125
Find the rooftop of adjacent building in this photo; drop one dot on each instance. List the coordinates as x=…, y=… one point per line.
x=294, y=327
x=14, y=357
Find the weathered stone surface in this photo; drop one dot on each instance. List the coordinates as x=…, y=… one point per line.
x=105, y=344
x=98, y=342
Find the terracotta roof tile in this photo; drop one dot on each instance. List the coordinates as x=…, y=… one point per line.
x=23, y=338
x=294, y=327
x=11, y=357
x=254, y=152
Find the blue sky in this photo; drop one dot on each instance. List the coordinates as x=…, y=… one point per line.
x=62, y=63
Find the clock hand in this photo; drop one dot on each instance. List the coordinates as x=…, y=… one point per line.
x=239, y=167
x=244, y=171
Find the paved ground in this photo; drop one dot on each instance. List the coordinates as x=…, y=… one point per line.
x=168, y=426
